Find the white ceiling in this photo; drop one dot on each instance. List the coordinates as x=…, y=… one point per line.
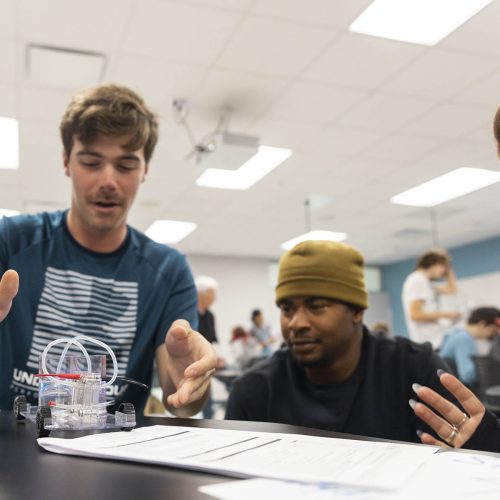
x=366, y=117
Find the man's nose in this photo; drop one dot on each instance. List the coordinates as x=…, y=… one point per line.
x=299, y=319
x=108, y=177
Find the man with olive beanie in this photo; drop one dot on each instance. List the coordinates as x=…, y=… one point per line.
x=333, y=374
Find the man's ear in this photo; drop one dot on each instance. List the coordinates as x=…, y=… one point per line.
x=357, y=317
x=146, y=170
x=65, y=158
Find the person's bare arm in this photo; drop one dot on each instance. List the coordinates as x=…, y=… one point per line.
x=450, y=283
x=418, y=314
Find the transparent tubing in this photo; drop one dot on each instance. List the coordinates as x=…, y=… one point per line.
x=61, y=341
x=92, y=341
x=70, y=341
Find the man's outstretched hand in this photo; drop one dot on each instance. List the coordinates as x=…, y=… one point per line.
x=9, y=285
x=191, y=360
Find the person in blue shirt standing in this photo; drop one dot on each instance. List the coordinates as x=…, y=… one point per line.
x=85, y=271
x=460, y=345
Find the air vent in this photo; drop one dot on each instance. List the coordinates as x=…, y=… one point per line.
x=62, y=67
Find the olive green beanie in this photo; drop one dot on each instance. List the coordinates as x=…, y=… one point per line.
x=323, y=269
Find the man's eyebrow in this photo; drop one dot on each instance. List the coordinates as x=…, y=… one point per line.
x=85, y=152
x=130, y=156
x=126, y=156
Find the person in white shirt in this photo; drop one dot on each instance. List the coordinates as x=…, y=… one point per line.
x=420, y=297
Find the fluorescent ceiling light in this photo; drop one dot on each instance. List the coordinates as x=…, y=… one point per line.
x=9, y=143
x=314, y=235
x=266, y=160
x=425, y=22
x=170, y=231
x=446, y=187
x=5, y=212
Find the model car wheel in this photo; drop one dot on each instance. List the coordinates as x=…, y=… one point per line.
x=20, y=405
x=43, y=414
x=128, y=409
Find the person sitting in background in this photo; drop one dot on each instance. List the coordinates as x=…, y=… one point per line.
x=459, y=345
x=261, y=332
x=381, y=330
x=334, y=375
x=244, y=347
x=419, y=297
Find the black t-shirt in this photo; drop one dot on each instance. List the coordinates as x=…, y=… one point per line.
x=206, y=326
x=373, y=402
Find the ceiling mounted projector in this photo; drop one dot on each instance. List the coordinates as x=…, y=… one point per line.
x=228, y=151
x=218, y=149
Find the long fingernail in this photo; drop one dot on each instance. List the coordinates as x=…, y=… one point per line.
x=412, y=403
x=416, y=387
x=420, y=433
x=440, y=372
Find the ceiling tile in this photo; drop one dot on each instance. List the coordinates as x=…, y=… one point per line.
x=158, y=81
x=386, y=113
x=94, y=25
x=441, y=74
x=8, y=61
x=8, y=101
x=272, y=47
x=361, y=61
x=284, y=133
x=479, y=34
x=236, y=92
x=42, y=105
x=238, y=5
x=8, y=19
x=342, y=142
x=315, y=103
x=462, y=153
x=179, y=32
x=402, y=148
x=482, y=93
x=337, y=13
x=449, y=120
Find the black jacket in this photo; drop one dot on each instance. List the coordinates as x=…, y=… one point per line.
x=374, y=403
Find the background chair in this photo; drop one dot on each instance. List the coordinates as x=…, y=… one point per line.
x=488, y=382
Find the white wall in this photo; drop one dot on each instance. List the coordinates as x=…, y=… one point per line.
x=482, y=290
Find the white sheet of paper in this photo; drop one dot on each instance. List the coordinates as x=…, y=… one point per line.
x=256, y=454
x=251, y=489
x=445, y=475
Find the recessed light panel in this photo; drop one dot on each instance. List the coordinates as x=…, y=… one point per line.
x=314, y=235
x=446, y=187
x=424, y=22
x=170, y=231
x=257, y=167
